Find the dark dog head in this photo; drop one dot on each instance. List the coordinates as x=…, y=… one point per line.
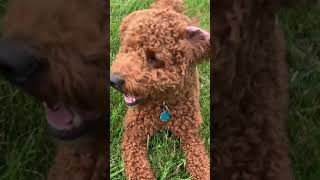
x=55, y=51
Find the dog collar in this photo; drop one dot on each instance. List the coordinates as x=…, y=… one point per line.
x=165, y=114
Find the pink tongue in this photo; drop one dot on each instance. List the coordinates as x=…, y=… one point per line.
x=61, y=118
x=129, y=99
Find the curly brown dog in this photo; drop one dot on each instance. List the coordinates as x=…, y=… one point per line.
x=156, y=70
x=251, y=92
x=55, y=50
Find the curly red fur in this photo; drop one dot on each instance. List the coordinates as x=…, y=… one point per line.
x=251, y=92
x=161, y=31
x=176, y=5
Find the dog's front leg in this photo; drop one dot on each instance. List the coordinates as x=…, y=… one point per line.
x=197, y=158
x=134, y=148
x=196, y=155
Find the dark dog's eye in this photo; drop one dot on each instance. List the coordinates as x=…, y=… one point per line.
x=153, y=61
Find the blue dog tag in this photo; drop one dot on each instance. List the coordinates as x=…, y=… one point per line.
x=165, y=116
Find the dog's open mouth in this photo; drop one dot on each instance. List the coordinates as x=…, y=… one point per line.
x=69, y=123
x=132, y=100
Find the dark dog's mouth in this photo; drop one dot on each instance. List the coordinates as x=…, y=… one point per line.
x=132, y=100
x=69, y=123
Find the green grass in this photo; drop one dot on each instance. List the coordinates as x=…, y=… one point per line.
x=302, y=30
x=166, y=155
x=26, y=153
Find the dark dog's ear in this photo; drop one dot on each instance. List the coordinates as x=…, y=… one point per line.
x=199, y=40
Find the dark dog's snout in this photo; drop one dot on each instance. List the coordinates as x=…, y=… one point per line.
x=117, y=81
x=18, y=62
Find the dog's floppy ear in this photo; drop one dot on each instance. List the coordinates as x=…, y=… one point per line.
x=200, y=42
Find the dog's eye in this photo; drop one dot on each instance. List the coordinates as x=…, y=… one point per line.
x=153, y=61
x=152, y=57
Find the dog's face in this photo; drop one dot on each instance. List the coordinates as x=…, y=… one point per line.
x=55, y=51
x=158, y=47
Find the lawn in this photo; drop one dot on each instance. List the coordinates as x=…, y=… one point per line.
x=166, y=155
x=302, y=30
x=26, y=153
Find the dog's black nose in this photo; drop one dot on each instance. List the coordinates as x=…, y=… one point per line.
x=18, y=62
x=117, y=81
